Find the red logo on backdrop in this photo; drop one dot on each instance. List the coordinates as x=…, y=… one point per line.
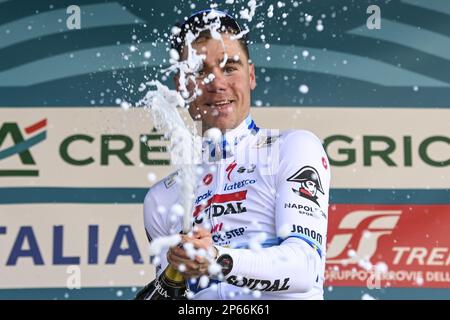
x=23, y=140
x=208, y=179
x=411, y=240
x=353, y=233
x=324, y=162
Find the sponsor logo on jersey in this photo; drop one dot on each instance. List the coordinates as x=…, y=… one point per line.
x=203, y=197
x=221, y=204
x=324, y=163
x=311, y=234
x=224, y=238
x=170, y=180
x=217, y=228
x=259, y=284
x=208, y=179
x=306, y=210
x=250, y=169
x=217, y=210
x=310, y=184
x=266, y=141
x=351, y=231
x=230, y=169
x=238, y=185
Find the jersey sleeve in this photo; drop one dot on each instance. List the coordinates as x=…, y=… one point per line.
x=157, y=205
x=154, y=221
x=302, y=183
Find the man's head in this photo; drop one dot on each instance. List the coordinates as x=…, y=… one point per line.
x=200, y=20
x=225, y=87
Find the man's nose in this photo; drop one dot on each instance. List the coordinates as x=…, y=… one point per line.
x=218, y=83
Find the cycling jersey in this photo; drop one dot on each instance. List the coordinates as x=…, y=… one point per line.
x=264, y=196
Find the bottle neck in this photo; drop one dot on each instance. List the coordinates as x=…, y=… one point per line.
x=173, y=275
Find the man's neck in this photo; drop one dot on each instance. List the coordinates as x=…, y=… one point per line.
x=225, y=130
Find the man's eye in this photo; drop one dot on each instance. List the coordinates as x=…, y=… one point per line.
x=229, y=69
x=201, y=74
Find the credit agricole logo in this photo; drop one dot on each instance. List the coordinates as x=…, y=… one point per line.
x=17, y=141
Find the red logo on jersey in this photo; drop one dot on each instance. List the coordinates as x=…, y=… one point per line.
x=217, y=228
x=324, y=162
x=221, y=198
x=208, y=179
x=230, y=168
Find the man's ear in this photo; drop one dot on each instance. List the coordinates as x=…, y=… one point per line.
x=251, y=70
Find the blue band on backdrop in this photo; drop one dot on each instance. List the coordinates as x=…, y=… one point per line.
x=26, y=195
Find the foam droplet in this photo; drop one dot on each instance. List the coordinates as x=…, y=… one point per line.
x=303, y=89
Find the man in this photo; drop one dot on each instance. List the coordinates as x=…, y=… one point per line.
x=267, y=234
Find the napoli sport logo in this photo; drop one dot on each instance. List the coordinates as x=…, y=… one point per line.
x=310, y=183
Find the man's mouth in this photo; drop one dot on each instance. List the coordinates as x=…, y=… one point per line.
x=220, y=103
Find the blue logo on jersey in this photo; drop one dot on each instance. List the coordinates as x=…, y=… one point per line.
x=203, y=196
x=238, y=185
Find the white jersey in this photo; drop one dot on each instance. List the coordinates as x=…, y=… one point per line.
x=264, y=196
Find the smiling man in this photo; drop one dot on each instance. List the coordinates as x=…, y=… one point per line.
x=225, y=98
x=249, y=217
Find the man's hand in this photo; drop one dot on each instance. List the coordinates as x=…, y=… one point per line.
x=193, y=254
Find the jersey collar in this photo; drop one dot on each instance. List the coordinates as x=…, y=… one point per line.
x=226, y=146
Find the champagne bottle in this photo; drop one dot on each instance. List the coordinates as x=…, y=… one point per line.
x=170, y=285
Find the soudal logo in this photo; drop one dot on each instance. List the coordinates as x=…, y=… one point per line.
x=310, y=184
x=23, y=141
x=221, y=204
x=238, y=185
x=258, y=284
x=352, y=234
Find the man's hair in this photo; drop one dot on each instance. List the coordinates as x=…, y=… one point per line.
x=199, y=21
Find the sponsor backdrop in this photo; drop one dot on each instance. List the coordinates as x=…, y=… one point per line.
x=75, y=166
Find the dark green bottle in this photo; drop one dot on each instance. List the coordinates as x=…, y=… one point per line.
x=170, y=285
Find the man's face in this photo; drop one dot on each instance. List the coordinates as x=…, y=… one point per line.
x=311, y=187
x=225, y=101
